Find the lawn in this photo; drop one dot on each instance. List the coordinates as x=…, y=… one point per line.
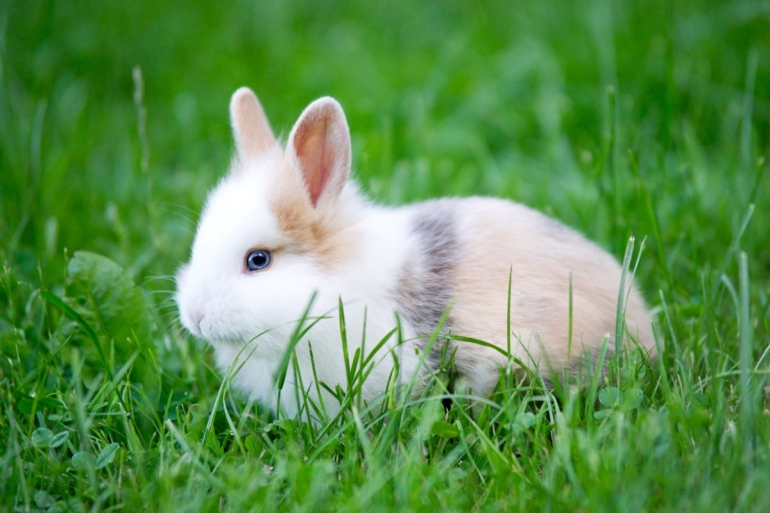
x=620, y=118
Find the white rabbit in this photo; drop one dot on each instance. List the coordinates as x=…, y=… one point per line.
x=287, y=223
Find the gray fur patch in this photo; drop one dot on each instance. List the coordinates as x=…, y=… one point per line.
x=424, y=290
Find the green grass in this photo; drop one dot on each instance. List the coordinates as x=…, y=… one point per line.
x=648, y=119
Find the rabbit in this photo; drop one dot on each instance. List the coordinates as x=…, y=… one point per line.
x=289, y=224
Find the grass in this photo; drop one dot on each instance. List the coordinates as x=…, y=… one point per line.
x=647, y=119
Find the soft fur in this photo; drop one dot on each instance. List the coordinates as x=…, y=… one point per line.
x=415, y=262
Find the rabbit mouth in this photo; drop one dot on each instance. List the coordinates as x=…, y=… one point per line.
x=206, y=327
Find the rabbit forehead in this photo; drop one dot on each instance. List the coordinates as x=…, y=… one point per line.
x=236, y=218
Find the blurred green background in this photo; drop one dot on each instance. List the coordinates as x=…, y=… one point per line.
x=503, y=98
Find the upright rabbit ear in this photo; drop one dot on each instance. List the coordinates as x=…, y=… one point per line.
x=250, y=126
x=320, y=143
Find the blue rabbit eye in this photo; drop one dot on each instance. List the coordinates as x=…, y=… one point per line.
x=258, y=260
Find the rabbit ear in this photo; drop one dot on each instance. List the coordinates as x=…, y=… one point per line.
x=250, y=126
x=320, y=143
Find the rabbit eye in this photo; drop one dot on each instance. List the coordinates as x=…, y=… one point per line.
x=258, y=260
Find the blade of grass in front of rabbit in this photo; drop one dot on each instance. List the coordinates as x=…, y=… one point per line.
x=620, y=307
x=245, y=417
x=569, y=325
x=367, y=360
x=302, y=397
x=531, y=375
x=352, y=384
x=355, y=390
x=342, y=426
x=427, y=350
x=494, y=347
x=297, y=385
x=635, y=349
x=443, y=376
x=508, y=314
x=596, y=376
x=231, y=424
x=359, y=369
x=392, y=385
x=432, y=374
x=367, y=366
x=511, y=359
x=309, y=403
x=279, y=378
x=321, y=403
x=232, y=370
x=344, y=342
x=357, y=381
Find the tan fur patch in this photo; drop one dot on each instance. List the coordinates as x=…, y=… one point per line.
x=308, y=229
x=502, y=238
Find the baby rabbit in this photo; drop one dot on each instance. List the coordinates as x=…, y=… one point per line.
x=288, y=223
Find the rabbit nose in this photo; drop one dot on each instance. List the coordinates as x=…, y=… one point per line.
x=192, y=320
x=197, y=317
